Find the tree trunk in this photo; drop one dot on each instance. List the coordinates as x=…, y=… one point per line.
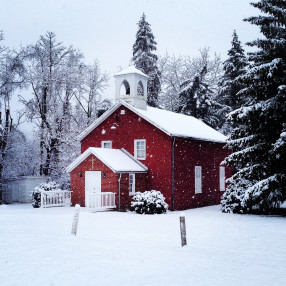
x=3, y=145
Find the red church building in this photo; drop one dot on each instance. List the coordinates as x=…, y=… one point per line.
x=133, y=147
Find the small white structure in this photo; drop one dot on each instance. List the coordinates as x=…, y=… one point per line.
x=59, y=198
x=20, y=190
x=100, y=201
x=131, y=86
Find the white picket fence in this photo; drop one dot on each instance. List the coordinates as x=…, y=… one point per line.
x=55, y=199
x=100, y=201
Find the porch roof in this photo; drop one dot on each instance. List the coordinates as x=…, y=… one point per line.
x=118, y=160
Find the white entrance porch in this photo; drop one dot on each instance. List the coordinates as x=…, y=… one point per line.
x=94, y=199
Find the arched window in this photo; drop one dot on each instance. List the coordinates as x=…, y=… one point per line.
x=125, y=88
x=140, y=89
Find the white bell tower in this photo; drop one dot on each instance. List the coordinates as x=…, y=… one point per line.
x=131, y=86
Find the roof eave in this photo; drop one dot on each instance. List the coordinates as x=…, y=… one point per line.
x=143, y=75
x=89, y=152
x=198, y=139
x=130, y=171
x=147, y=119
x=99, y=120
x=134, y=159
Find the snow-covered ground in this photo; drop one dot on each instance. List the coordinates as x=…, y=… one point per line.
x=111, y=248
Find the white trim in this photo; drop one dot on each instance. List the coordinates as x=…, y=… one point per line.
x=105, y=115
x=198, y=179
x=104, y=142
x=222, y=178
x=135, y=149
x=130, y=70
x=133, y=184
x=133, y=158
x=96, y=152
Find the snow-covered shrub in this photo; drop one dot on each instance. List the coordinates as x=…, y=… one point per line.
x=149, y=202
x=36, y=195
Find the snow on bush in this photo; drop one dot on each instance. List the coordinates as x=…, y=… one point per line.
x=36, y=195
x=149, y=202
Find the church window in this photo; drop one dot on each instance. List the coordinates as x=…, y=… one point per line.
x=222, y=178
x=140, y=149
x=106, y=144
x=198, y=179
x=131, y=184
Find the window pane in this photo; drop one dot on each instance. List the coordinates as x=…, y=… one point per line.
x=140, y=149
x=222, y=178
x=106, y=144
x=132, y=183
x=198, y=179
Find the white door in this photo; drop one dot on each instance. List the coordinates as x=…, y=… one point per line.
x=93, y=187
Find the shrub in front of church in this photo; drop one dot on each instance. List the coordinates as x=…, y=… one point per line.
x=36, y=195
x=149, y=202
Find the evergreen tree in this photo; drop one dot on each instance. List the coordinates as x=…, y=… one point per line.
x=229, y=96
x=196, y=98
x=233, y=67
x=146, y=61
x=259, y=140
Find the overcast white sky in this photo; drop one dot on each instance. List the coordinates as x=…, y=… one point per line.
x=105, y=29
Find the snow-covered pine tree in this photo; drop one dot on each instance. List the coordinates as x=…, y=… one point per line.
x=145, y=60
x=259, y=140
x=228, y=95
x=176, y=70
x=196, y=98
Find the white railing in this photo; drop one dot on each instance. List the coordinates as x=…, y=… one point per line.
x=100, y=201
x=55, y=199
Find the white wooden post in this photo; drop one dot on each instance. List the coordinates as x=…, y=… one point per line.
x=75, y=219
x=42, y=199
x=183, y=229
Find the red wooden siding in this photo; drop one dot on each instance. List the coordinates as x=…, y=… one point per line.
x=109, y=183
x=141, y=184
x=188, y=154
x=130, y=127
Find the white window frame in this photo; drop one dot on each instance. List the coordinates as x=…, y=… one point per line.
x=131, y=181
x=106, y=142
x=222, y=178
x=136, y=150
x=198, y=179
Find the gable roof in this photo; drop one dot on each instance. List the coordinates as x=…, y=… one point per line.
x=173, y=124
x=119, y=161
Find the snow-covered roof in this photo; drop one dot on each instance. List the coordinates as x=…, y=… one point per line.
x=119, y=161
x=180, y=125
x=171, y=123
x=130, y=69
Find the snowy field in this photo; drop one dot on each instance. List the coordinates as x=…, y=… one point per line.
x=111, y=248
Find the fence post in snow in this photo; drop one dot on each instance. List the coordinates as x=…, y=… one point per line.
x=183, y=229
x=75, y=220
x=42, y=199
